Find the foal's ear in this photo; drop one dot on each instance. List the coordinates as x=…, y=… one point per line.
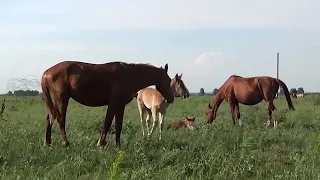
x=176, y=77
x=180, y=76
x=166, y=68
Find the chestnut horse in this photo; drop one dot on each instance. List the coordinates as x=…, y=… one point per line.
x=186, y=123
x=247, y=91
x=113, y=84
x=151, y=101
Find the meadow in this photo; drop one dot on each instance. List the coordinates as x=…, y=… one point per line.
x=220, y=150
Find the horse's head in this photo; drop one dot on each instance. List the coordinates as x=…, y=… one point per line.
x=189, y=122
x=178, y=87
x=163, y=85
x=210, y=114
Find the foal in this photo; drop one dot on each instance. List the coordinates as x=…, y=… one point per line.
x=151, y=101
x=186, y=123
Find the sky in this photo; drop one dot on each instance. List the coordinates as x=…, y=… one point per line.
x=205, y=40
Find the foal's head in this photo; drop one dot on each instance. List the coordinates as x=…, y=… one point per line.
x=163, y=84
x=189, y=122
x=178, y=87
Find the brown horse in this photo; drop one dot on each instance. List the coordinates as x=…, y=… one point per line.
x=247, y=91
x=113, y=84
x=151, y=101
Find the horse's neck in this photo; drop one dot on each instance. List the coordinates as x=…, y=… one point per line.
x=145, y=79
x=217, y=101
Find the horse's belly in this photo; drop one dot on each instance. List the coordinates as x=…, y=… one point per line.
x=92, y=97
x=249, y=98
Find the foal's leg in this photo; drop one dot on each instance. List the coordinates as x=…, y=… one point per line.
x=119, y=123
x=141, y=113
x=154, y=116
x=148, y=119
x=161, y=118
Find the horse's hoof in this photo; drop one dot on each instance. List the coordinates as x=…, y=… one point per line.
x=65, y=143
x=100, y=145
x=46, y=144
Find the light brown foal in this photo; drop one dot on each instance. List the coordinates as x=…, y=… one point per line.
x=150, y=101
x=186, y=123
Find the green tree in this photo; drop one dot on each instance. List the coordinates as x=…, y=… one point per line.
x=214, y=92
x=201, y=93
x=300, y=90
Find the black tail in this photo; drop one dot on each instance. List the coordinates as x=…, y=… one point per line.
x=286, y=92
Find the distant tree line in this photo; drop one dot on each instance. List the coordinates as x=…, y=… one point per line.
x=292, y=91
x=23, y=93
x=202, y=93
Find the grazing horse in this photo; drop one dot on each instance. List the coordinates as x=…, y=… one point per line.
x=151, y=101
x=113, y=84
x=247, y=91
x=300, y=95
x=186, y=123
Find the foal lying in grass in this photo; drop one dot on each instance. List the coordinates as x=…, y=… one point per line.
x=186, y=123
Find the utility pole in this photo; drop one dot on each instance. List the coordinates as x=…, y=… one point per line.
x=278, y=65
x=277, y=71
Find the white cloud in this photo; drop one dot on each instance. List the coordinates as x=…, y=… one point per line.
x=206, y=60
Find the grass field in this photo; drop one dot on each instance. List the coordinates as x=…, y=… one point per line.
x=216, y=151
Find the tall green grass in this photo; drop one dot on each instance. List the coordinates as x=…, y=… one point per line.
x=219, y=150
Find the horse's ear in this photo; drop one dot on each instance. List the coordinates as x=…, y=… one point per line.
x=180, y=76
x=209, y=106
x=166, y=68
x=177, y=76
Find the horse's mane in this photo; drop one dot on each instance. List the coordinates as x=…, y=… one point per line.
x=234, y=75
x=129, y=65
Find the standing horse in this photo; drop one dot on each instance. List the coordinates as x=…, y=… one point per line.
x=113, y=84
x=248, y=91
x=300, y=95
x=151, y=101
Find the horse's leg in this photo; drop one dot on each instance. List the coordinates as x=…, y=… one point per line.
x=106, y=125
x=141, y=113
x=148, y=119
x=238, y=113
x=154, y=116
x=232, y=107
x=119, y=123
x=62, y=105
x=49, y=123
x=232, y=104
x=161, y=118
x=271, y=108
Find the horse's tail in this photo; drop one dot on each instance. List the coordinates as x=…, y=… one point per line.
x=287, y=94
x=47, y=97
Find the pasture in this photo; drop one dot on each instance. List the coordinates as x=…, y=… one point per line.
x=216, y=151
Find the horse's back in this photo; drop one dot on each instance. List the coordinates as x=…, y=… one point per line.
x=79, y=79
x=150, y=97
